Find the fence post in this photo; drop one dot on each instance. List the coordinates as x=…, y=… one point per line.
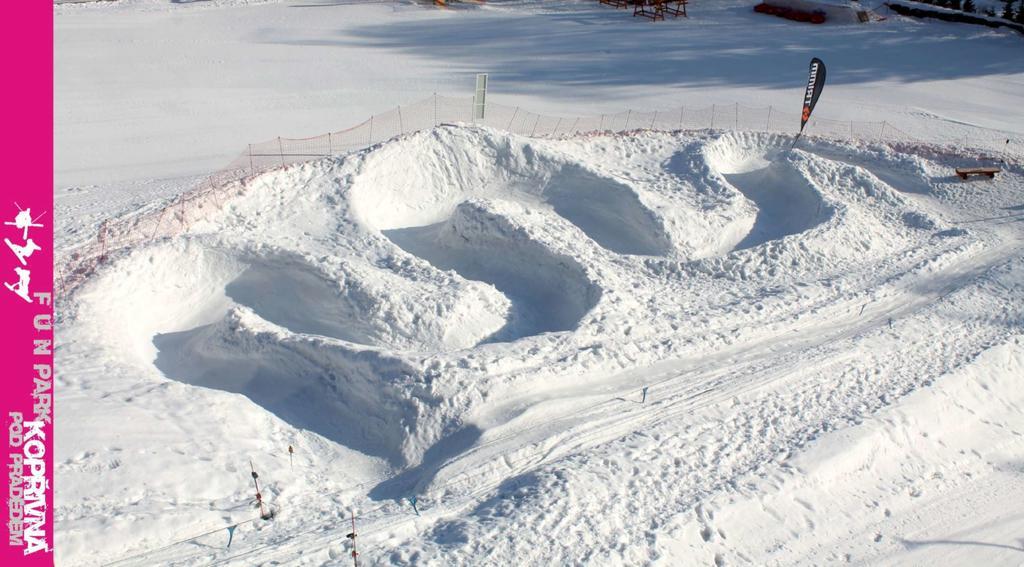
x=626, y=126
x=513, y=119
x=768, y=123
x=712, y=117
x=601, y=127
x=557, y=124
x=181, y=211
x=252, y=170
x=401, y=128
x=280, y=148
x=851, y=130
x=535, y=122
x=573, y=131
x=881, y=135
x=371, y=131
x=655, y=119
x=330, y=145
x=158, y=220
x=63, y=286
x=736, y=123
x=435, y=109
x=682, y=109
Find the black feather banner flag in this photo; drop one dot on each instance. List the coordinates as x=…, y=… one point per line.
x=815, y=82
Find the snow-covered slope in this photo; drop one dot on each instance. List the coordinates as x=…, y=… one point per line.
x=468, y=317
x=164, y=88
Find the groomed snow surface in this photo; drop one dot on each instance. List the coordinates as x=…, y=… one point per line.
x=831, y=337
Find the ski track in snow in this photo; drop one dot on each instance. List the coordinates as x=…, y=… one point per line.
x=468, y=317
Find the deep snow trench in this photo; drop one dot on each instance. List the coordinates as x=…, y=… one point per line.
x=786, y=203
x=548, y=292
x=479, y=219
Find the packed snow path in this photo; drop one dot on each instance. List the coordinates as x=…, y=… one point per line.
x=469, y=317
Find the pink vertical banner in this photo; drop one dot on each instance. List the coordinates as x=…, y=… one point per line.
x=26, y=283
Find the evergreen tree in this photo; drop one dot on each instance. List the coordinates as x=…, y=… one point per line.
x=1020, y=13
x=969, y=6
x=1008, y=12
x=989, y=12
x=955, y=4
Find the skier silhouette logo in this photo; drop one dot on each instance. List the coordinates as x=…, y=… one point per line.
x=21, y=287
x=24, y=221
x=23, y=252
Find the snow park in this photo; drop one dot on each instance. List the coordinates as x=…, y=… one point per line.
x=532, y=283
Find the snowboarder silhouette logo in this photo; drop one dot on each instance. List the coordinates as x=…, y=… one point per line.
x=23, y=252
x=21, y=287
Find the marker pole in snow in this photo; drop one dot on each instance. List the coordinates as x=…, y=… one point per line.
x=643, y=397
x=412, y=500
x=352, y=536
x=291, y=451
x=231, y=534
x=259, y=497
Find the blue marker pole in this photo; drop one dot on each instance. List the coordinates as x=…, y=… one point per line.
x=644, y=398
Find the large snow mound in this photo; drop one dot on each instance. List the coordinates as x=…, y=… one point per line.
x=329, y=283
x=456, y=302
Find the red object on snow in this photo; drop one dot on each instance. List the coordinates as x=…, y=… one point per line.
x=791, y=14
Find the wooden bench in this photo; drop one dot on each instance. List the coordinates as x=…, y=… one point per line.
x=965, y=172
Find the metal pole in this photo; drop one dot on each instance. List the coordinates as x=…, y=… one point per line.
x=601, y=127
x=681, y=110
x=881, y=135
x=573, y=131
x=280, y=148
x=655, y=119
x=535, y=122
x=352, y=536
x=103, y=239
x=371, y=131
x=712, y=117
x=259, y=497
x=626, y=125
x=401, y=128
x=557, y=124
x=435, y=109
x=513, y=119
x=252, y=170
x=736, y=123
x=768, y=123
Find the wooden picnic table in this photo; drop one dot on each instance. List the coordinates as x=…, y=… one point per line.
x=657, y=9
